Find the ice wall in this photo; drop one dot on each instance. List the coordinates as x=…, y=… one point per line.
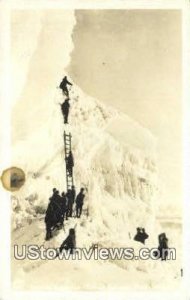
x=111, y=162
x=114, y=155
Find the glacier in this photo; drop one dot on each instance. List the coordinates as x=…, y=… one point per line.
x=115, y=160
x=116, y=163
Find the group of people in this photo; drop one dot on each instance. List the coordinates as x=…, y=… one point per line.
x=161, y=252
x=65, y=106
x=60, y=207
x=69, y=244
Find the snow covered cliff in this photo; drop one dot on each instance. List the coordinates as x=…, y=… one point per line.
x=114, y=160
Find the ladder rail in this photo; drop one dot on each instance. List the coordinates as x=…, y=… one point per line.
x=67, y=149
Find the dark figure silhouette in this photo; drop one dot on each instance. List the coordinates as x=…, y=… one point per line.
x=54, y=195
x=65, y=107
x=49, y=222
x=163, y=246
x=73, y=192
x=63, y=204
x=141, y=235
x=79, y=202
x=70, y=201
x=67, y=206
x=70, y=163
x=138, y=235
x=53, y=213
x=144, y=235
x=51, y=219
x=70, y=242
x=63, y=86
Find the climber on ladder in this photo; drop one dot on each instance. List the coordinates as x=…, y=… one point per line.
x=70, y=163
x=69, y=160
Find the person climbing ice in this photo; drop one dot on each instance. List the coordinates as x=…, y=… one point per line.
x=63, y=86
x=70, y=163
x=65, y=107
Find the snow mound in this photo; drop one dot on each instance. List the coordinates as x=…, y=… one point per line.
x=114, y=161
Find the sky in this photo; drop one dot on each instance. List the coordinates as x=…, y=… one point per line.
x=131, y=59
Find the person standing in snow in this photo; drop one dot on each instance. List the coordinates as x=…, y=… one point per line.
x=163, y=246
x=79, y=202
x=65, y=107
x=51, y=218
x=63, y=205
x=70, y=201
x=73, y=196
x=49, y=221
x=55, y=193
x=73, y=192
x=63, y=86
x=54, y=214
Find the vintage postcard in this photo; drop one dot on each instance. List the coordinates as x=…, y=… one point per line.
x=95, y=163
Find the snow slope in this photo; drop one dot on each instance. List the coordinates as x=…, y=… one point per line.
x=110, y=159
x=115, y=160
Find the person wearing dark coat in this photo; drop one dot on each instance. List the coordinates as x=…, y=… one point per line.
x=49, y=220
x=65, y=107
x=144, y=235
x=63, y=204
x=141, y=235
x=162, y=251
x=79, y=202
x=53, y=213
x=54, y=195
x=137, y=237
x=163, y=246
x=70, y=242
x=70, y=163
x=70, y=202
x=73, y=192
x=63, y=86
